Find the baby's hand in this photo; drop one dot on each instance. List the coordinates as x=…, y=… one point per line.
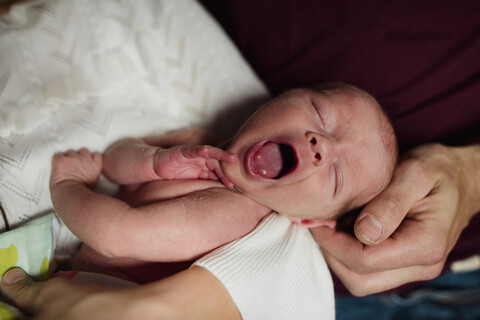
x=81, y=166
x=192, y=162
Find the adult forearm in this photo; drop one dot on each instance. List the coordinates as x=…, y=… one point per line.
x=192, y=294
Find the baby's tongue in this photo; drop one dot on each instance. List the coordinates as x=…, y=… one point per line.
x=267, y=161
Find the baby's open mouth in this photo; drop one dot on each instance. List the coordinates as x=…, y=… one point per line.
x=271, y=160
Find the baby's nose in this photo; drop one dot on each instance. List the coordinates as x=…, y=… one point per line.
x=321, y=147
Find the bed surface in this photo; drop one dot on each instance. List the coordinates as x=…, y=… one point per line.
x=85, y=74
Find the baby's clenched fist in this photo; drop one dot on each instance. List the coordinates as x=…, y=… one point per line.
x=81, y=166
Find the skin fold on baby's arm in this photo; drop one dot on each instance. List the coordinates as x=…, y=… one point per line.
x=165, y=220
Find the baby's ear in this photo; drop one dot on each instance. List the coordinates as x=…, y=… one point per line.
x=309, y=223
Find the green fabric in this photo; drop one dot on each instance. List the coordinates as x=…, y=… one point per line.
x=28, y=247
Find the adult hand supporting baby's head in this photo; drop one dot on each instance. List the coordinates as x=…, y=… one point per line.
x=406, y=232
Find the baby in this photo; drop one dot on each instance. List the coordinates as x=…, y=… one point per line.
x=309, y=154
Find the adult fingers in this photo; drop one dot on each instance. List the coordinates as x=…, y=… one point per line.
x=58, y=298
x=365, y=284
x=382, y=216
x=21, y=290
x=411, y=246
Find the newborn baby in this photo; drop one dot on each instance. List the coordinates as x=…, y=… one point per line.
x=309, y=154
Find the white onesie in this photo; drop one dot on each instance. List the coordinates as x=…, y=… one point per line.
x=275, y=272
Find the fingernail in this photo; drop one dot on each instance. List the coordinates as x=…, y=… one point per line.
x=13, y=275
x=370, y=228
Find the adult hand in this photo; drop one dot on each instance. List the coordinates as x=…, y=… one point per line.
x=406, y=232
x=58, y=298
x=191, y=294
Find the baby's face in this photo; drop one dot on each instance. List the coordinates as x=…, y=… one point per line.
x=311, y=155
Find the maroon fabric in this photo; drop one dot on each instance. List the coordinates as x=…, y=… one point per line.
x=420, y=59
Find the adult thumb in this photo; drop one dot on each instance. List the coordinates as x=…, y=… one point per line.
x=382, y=216
x=20, y=290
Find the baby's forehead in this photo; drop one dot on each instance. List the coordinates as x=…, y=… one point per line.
x=337, y=92
x=350, y=94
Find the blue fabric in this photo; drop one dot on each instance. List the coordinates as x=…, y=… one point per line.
x=450, y=296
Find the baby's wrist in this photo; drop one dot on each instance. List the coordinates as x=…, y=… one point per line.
x=67, y=182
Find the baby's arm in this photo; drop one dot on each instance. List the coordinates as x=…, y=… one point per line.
x=74, y=175
x=132, y=161
x=179, y=229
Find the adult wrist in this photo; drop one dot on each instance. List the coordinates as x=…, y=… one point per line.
x=476, y=165
x=470, y=160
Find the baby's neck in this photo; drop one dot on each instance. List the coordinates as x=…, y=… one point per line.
x=235, y=188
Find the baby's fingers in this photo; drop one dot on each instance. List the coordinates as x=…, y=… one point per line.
x=208, y=175
x=229, y=184
x=208, y=152
x=215, y=169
